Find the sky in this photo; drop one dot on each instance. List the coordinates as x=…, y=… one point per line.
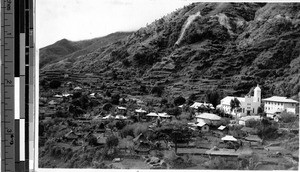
x=86, y=19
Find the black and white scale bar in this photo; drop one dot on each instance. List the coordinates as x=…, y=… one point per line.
x=20, y=85
x=28, y=20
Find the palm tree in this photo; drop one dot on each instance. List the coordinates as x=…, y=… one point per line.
x=234, y=105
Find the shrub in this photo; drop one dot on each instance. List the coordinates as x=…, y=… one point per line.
x=220, y=163
x=134, y=130
x=115, y=99
x=185, y=116
x=54, y=84
x=126, y=63
x=158, y=90
x=92, y=140
x=224, y=121
x=76, y=95
x=174, y=111
x=60, y=114
x=288, y=117
x=107, y=106
x=139, y=128
x=145, y=57
x=112, y=141
x=179, y=101
x=127, y=131
x=252, y=123
x=268, y=132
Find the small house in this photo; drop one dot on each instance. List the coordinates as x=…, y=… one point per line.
x=78, y=88
x=101, y=139
x=209, y=118
x=202, y=125
x=142, y=144
x=254, y=140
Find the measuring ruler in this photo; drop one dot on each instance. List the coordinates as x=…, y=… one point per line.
x=17, y=76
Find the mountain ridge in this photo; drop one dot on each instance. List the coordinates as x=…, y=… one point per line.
x=231, y=47
x=65, y=48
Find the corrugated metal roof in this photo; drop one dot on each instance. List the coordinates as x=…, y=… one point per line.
x=209, y=116
x=280, y=99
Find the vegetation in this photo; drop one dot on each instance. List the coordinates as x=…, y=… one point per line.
x=55, y=84
x=213, y=96
x=234, y=104
x=224, y=52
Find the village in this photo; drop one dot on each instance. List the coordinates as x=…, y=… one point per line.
x=83, y=124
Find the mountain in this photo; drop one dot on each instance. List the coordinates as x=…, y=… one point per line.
x=67, y=49
x=230, y=47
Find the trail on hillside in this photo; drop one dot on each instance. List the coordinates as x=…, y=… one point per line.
x=188, y=22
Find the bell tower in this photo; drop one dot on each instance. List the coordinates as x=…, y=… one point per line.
x=257, y=94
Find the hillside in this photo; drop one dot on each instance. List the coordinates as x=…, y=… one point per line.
x=225, y=46
x=67, y=49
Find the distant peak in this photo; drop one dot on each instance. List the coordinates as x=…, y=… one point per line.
x=63, y=40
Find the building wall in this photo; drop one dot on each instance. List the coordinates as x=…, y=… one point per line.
x=247, y=105
x=272, y=107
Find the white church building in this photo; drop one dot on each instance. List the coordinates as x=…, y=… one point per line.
x=249, y=104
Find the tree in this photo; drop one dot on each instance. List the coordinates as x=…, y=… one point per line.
x=213, y=97
x=179, y=101
x=41, y=128
x=158, y=90
x=163, y=101
x=287, y=117
x=43, y=83
x=234, y=104
x=268, y=129
x=84, y=102
x=107, y=106
x=112, y=142
x=175, y=131
x=260, y=109
x=174, y=111
x=54, y=84
x=76, y=95
x=92, y=140
x=115, y=99
x=143, y=89
x=107, y=93
x=191, y=99
x=76, y=111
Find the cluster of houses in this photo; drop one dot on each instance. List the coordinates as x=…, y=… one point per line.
x=202, y=122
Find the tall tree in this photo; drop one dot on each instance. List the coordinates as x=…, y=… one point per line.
x=213, y=97
x=112, y=142
x=175, y=131
x=179, y=101
x=234, y=105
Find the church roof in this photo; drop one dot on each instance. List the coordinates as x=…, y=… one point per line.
x=227, y=99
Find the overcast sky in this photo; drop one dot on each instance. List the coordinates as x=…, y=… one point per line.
x=85, y=19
